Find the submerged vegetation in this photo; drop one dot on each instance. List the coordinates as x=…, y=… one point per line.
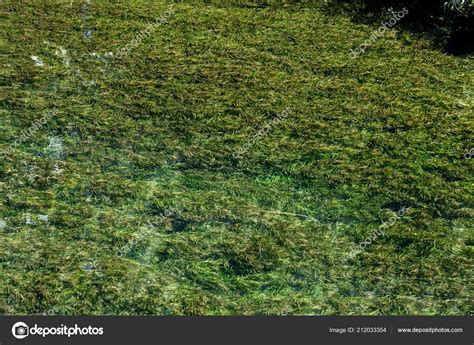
x=130, y=198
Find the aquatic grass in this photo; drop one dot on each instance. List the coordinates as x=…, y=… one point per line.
x=157, y=130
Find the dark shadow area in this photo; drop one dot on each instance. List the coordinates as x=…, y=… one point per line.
x=449, y=24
